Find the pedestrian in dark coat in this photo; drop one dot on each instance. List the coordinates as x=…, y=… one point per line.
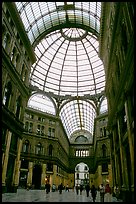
x=81, y=189
x=87, y=190
x=77, y=189
x=47, y=187
x=93, y=192
x=60, y=188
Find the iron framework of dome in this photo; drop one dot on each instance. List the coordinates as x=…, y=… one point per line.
x=64, y=36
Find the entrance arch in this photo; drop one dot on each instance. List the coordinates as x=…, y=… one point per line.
x=81, y=174
x=36, y=179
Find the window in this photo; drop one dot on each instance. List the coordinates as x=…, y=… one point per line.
x=43, y=119
x=49, y=167
x=82, y=153
x=31, y=127
x=50, y=150
x=38, y=129
x=51, y=132
x=39, y=118
x=24, y=164
x=104, y=167
x=39, y=148
x=77, y=176
x=26, y=146
x=7, y=94
x=104, y=149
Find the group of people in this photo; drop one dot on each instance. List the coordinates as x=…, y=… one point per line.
x=60, y=188
x=106, y=191
x=93, y=190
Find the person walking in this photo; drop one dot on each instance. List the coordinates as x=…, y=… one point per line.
x=81, y=189
x=102, y=192
x=77, y=189
x=117, y=191
x=67, y=188
x=87, y=189
x=93, y=192
x=60, y=188
x=47, y=187
x=107, y=193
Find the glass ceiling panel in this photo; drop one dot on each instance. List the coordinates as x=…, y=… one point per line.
x=41, y=16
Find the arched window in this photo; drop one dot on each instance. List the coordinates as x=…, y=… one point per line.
x=39, y=148
x=31, y=127
x=104, y=150
x=26, y=126
x=26, y=146
x=7, y=94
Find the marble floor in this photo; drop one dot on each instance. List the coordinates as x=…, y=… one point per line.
x=24, y=195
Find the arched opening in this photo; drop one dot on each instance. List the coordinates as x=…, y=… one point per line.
x=26, y=146
x=81, y=174
x=36, y=179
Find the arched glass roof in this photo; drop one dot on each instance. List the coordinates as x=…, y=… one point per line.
x=64, y=36
x=39, y=17
x=78, y=115
x=41, y=103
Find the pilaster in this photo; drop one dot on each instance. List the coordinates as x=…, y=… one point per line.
x=5, y=160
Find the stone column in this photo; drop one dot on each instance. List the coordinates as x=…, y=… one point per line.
x=17, y=165
x=121, y=154
x=43, y=176
x=130, y=138
x=115, y=158
x=30, y=174
x=54, y=174
x=6, y=156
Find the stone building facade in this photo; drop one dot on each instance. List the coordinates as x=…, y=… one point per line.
x=117, y=52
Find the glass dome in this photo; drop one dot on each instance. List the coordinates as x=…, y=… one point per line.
x=64, y=36
x=68, y=64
